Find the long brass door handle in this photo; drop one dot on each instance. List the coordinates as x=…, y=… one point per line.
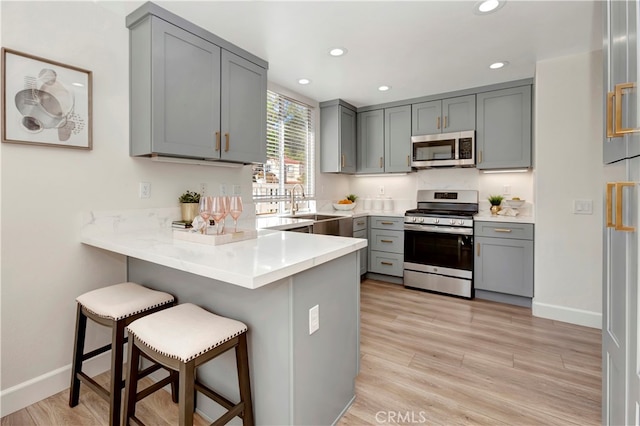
x=386, y=223
x=619, y=203
x=380, y=162
x=226, y=142
x=479, y=156
x=438, y=123
x=217, y=141
x=502, y=230
x=408, y=160
x=478, y=248
x=445, y=123
x=610, y=132
x=342, y=161
x=387, y=263
x=610, y=187
x=619, y=91
x=386, y=241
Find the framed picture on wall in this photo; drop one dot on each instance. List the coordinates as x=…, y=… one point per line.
x=45, y=102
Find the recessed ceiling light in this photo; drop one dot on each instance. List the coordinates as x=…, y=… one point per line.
x=498, y=65
x=338, y=51
x=304, y=81
x=488, y=6
x=384, y=88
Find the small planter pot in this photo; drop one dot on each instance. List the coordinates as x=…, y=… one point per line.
x=494, y=210
x=189, y=211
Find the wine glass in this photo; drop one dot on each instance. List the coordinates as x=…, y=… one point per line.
x=225, y=201
x=206, y=204
x=218, y=211
x=235, y=210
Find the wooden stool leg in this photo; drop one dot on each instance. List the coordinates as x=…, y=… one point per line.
x=186, y=393
x=78, y=349
x=115, y=388
x=174, y=385
x=242, y=360
x=131, y=384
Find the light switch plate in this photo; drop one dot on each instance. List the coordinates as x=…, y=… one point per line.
x=314, y=319
x=582, y=206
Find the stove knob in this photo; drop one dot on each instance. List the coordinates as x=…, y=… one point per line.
x=452, y=221
x=460, y=222
x=422, y=220
x=436, y=220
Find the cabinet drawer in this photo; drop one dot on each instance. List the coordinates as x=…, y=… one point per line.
x=521, y=231
x=362, y=233
x=389, y=241
x=387, y=222
x=386, y=263
x=359, y=224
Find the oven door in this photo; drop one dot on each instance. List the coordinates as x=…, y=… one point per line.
x=439, y=258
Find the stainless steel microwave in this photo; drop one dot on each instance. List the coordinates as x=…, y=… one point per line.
x=444, y=150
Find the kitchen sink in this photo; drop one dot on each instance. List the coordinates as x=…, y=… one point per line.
x=327, y=224
x=313, y=216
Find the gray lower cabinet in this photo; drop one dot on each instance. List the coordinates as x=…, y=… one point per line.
x=386, y=245
x=191, y=98
x=503, y=265
x=444, y=116
x=360, y=230
x=338, y=128
x=503, y=133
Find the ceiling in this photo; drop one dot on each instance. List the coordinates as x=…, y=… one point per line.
x=418, y=48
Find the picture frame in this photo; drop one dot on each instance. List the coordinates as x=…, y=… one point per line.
x=45, y=102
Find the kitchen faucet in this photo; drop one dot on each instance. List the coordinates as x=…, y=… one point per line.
x=294, y=205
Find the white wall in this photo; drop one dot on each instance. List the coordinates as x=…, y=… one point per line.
x=45, y=189
x=568, y=158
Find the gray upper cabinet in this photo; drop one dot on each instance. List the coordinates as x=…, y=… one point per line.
x=191, y=97
x=371, y=141
x=620, y=71
x=503, y=136
x=337, y=137
x=397, y=139
x=443, y=116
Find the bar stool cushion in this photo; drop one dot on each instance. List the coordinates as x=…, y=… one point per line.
x=122, y=300
x=185, y=331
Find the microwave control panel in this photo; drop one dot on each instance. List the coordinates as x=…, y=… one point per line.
x=466, y=148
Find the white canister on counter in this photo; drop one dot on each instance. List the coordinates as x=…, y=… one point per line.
x=367, y=203
x=388, y=204
x=378, y=203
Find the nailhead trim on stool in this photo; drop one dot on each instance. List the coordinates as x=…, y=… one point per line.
x=181, y=338
x=116, y=307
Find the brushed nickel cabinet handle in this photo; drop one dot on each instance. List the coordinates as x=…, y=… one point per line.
x=217, y=141
x=387, y=263
x=502, y=230
x=226, y=142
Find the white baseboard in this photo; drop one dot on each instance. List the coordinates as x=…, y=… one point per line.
x=565, y=314
x=24, y=394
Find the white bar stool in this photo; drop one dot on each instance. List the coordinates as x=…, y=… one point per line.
x=182, y=338
x=115, y=307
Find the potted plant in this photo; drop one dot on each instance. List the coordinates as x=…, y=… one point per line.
x=495, y=201
x=189, y=205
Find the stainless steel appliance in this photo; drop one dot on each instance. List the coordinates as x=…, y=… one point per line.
x=444, y=150
x=438, y=242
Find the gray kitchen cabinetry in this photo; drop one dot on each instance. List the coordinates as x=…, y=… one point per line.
x=192, y=94
x=360, y=230
x=386, y=245
x=338, y=128
x=384, y=140
x=443, y=116
x=503, y=134
x=503, y=265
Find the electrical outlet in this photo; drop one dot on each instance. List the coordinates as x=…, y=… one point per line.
x=506, y=190
x=381, y=190
x=145, y=190
x=223, y=189
x=236, y=190
x=203, y=188
x=314, y=319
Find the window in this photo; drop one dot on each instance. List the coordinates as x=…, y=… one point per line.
x=290, y=154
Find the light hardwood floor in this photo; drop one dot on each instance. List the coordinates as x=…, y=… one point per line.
x=432, y=360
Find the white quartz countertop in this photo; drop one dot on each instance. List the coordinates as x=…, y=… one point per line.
x=252, y=263
x=487, y=217
x=283, y=222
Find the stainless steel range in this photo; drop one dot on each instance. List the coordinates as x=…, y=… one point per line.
x=438, y=242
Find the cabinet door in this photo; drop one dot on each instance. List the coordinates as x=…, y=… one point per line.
x=244, y=110
x=347, y=125
x=185, y=93
x=426, y=118
x=503, y=137
x=371, y=142
x=397, y=139
x=504, y=266
x=459, y=114
x=364, y=257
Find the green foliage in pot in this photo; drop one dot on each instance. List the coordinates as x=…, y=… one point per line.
x=189, y=197
x=495, y=200
x=352, y=197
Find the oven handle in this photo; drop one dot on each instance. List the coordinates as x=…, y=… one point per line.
x=438, y=229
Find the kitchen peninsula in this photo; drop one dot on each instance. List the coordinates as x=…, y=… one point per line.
x=270, y=283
